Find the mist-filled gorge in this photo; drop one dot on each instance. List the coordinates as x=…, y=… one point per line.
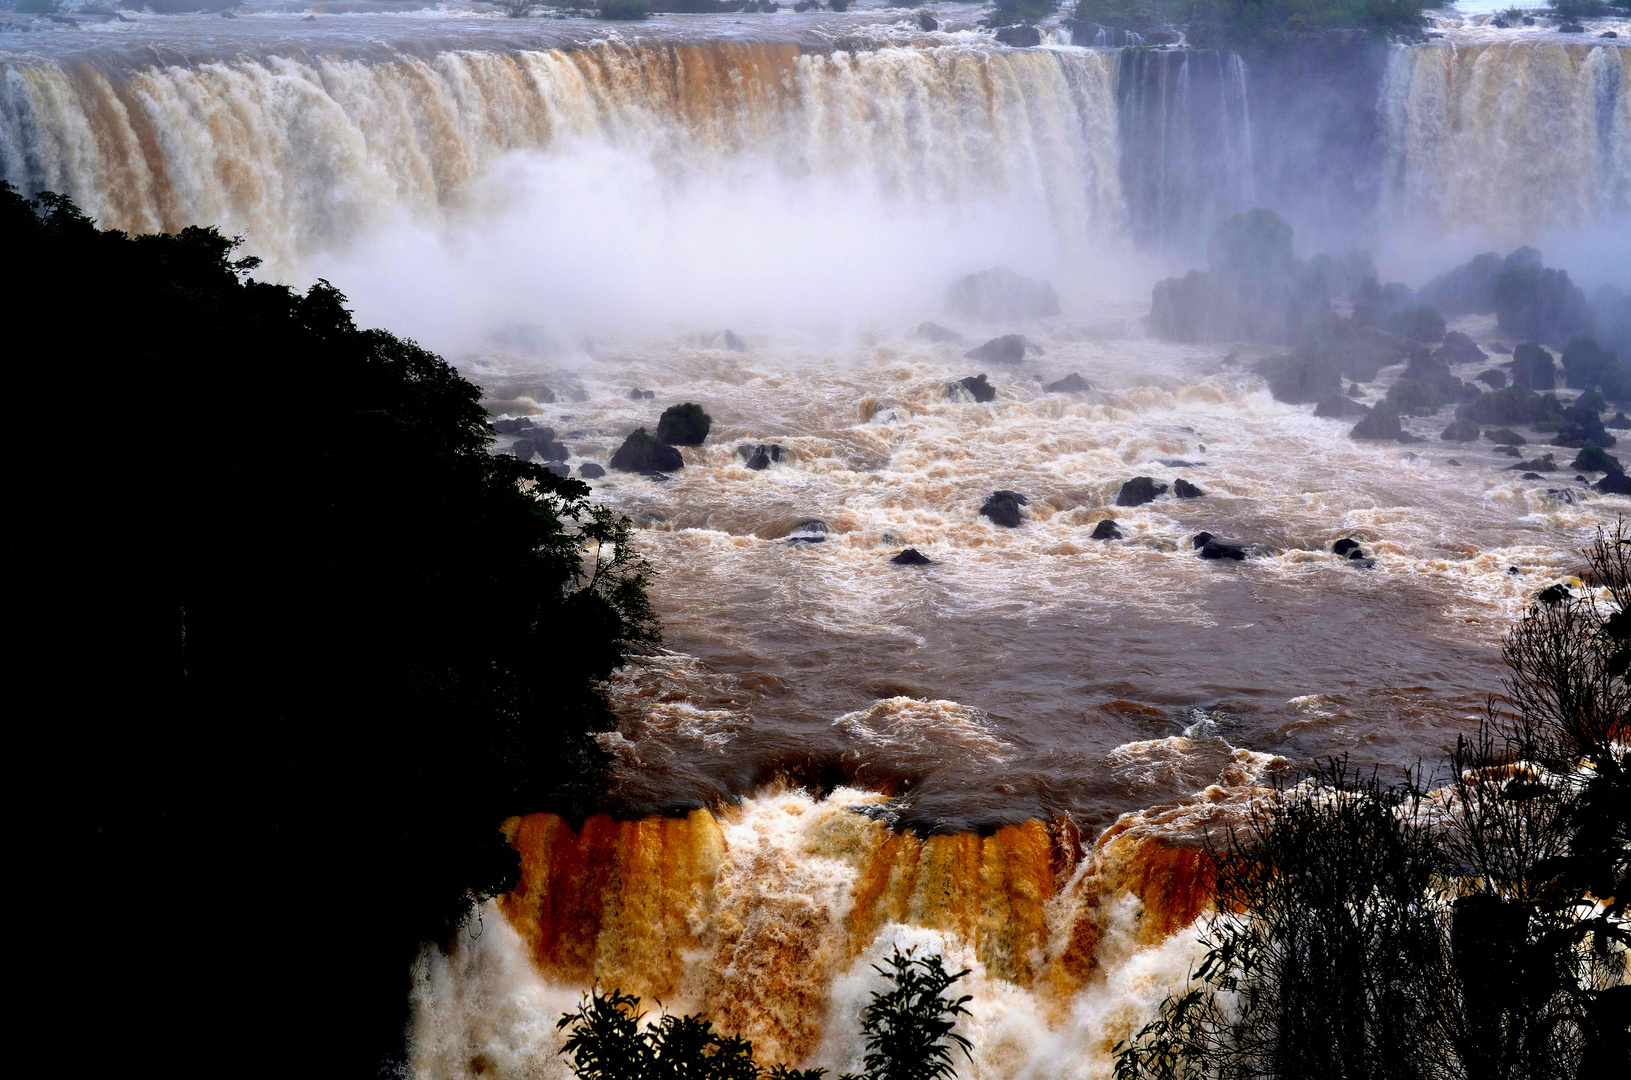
x=998, y=540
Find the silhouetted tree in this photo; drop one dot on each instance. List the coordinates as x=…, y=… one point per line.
x=909, y=1028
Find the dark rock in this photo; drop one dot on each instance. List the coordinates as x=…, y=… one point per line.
x=1553, y=594
x=1509, y=451
x=523, y=449
x=1504, y=437
x=684, y=425
x=1532, y=367
x=1020, y=37
x=1494, y=378
x=1462, y=429
x=1008, y=349
x=761, y=456
x=1501, y=349
x=927, y=22
x=1620, y=422
x=1298, y=378
x=1582, y=427
x=1217, y=549
x=513, y=427
x=1407, y=438
x=999, y=293
x=1345, y=547
x=912, y=557
x=1458, y=348
x=809, y=531
x=643, y=452
x=1002, y=507
x=1335, y=406
x=839, y=5
x=1185, y=490
x=732, y=342
x=1106, y=530
x=1199, y=540
x=1614, y=483
x=1139, y=490
x=1070, y=384
x=559, y=468
x=1571, y=28
x=929, y=331
x=1382, y=423
x=1514, y=405
x=1608, y=34
x=638, y=394
x=590, y=471
x=1420, y=323
x=1538, y=304
x=977, y=387
x=1544, y=463
x=1530, y=476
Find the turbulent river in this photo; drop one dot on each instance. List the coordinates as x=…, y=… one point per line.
x=834, y=752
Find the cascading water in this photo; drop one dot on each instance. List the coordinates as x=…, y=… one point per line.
x=1508, y=138
x=299, y=155
x=1186, y=141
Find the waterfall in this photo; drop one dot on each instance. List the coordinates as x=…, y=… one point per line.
x=300, y=154
x=1186, y=153
x=767, y=917
x=1507, y=139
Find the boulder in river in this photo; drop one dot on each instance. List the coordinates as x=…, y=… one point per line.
x=809, y=531
x=1140, y=490
x=930, y=331
x=1210, y=547
x=1106, y=530
x=1532, y=367
x=761, y=456
x=1596, y=459
x=1298, y=378
x=927, y=22
x=513, y=427
x=1008, y=349
x=1185, y=490
x=1494, y=378
x=1336, y=406
x=1002, y=507
x=912, y=557
x=684, y=425
x=1458, y=348
x=1544, y=463
x=999, y=293
x=1348, y=548
x=1614, y=483
x=1070, y=384
x=1020, y=37
x=1582, y=427
x=1461, y=429
x=1502, y=436
x=643, y=452
x=590, y=471
x=976, y=387
x=1381, y=423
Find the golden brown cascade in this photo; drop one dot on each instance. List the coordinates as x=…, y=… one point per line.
x=748, y=918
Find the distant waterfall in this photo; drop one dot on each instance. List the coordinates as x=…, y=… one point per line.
x=299, y=154
x=1186, y=141
x=1508, y=139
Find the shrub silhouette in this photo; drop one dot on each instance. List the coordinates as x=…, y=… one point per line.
x=609, y=1042
x=908, y=1028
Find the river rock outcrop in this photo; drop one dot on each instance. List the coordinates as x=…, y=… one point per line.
x=1140, y=490
x=643, y=452
x=999, y=293
x=1002, y=507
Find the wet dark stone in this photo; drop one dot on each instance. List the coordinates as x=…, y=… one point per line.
x=1344, y=546
x=1494, y=378
x=1335, y=406
x=1381, y=423
x=642, y=452
x=976, y=385
x=590, y=471
x=925, y=21
x=732, y=342
x=1544, y=463
x=1008, y=349
x=1596, y=459
x=1201, y=539
x=1020, y=37
x=1458, y=348
x=1620, y=422
x=1070, y=384
x=1140, y=490
x=684, y=425
x=1615, y=483
x=761, y=456
x=513, y=427
x=1461, y=429
x=1530, y=476
x=809, y=531
x=1185, y=490
x=1533, y=368
x=1002, y=507
x=1355, y=555
x=912, y=557
x=929, y=331
x=638, y=394
x=559, y=468
x=1502, y=436
x=1217, y=549
x=1106, y=530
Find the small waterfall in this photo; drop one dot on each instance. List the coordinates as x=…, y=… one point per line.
x=1186, y=153
x=300, y=154
x=1507, y=139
